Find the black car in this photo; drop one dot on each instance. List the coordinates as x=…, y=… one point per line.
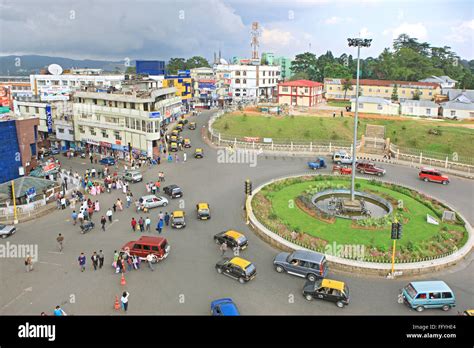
x=328, y=290
x=174, y=191
x=233, y=239
x=237, y=268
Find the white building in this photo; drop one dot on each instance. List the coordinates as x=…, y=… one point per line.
x=59, y=87
x=108, y=123
x=375, y=105
x=247, y=82
x=444, y=81
x=425, y=108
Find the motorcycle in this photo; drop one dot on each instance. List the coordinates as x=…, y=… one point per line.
x=86, y=227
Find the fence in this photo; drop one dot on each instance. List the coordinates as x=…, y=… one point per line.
x=459, y=163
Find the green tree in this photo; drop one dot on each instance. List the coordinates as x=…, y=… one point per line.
x=175, y=64
x=346, y=86
x=196, y=62
x=336, y=70
x=416, y=95
x=394, y=96
x=131, y=70
x=305, y=63
x=299, y=76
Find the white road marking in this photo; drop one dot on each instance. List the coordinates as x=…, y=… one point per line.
x=30, y=289
x=50, y=263
x=55, y=252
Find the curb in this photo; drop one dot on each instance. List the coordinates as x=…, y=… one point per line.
x=371, y=268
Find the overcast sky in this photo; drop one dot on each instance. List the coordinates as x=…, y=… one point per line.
x=160, y=29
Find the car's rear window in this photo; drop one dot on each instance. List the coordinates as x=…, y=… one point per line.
x=410, y=290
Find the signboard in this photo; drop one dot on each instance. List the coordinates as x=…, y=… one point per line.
x=51, y=93
x=168, y=113
x=90, y=141
x=31, y=192
x=251, y=139
x=267, y=140
x=155, y=114
x=49, y=119
x=206, y=85
x=104, y=144
x=150, y=67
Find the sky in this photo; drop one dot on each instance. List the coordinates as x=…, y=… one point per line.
x=160, y=29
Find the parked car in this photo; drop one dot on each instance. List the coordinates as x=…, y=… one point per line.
x=110, y=161
x=177, y=219
x=428, y=294
x=174, y=191
x=7, y=230
x=369, y=168
x=430, y=174
x=133, y=176
x=158, y=247
x=318, y=164
x=198, y=153
x=237, y=268
x=203, y=211
x=152, y=201
x=224, y=306
x=233, y=239
x=192, y=125
x=302, y=263
x=342, y=157
x=328, y=290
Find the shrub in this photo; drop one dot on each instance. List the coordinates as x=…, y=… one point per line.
x=306, y=134
x=357, y=185
x=272, y=216
x=226, y=126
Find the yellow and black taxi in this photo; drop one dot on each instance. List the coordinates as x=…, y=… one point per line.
x=173, y=139
x=234, y=240
x=469, y=312
x=198, y=153
x=187, y=142
x=192, y=125
x=237, y=268
x=177, y=219
x=179, y=127
x=327, y=289
x=203, y=211
x=175, y=132
x=173, y=147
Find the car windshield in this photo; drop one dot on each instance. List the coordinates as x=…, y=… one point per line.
x=204, y=211
x=250, y=269
x=241, y=240
x=178, y=219
x=410, y=290
x=2, y=227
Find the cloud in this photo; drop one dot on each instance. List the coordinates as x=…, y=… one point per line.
x=416, y=30
x=276, y=37
x=365, y=33
x=462, y=32
x=283, y=41
x=337, y=20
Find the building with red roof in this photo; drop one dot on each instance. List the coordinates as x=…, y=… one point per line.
x=300, y=93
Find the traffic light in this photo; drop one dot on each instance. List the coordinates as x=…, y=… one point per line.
x=399, y=231
x=248, y=187
x=394, y=233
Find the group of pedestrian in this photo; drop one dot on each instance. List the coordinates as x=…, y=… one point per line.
x=96, y=258
x=124, y=262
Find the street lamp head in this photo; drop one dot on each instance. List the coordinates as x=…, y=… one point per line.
x=357, y=42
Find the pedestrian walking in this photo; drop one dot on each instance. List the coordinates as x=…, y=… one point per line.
x=167, y=219
x=74, y=217
x=129, y=201
x=223, y=248
x=184, y=157
x=161, y=216
x=115, y=207
x=103, y=221
x=129, y=263
x=334, y=114
x=124, y=299
x=159, y=227
x=147, y=224
x=141, y=222
x=95, y=260
x=58, y=311
x=97, y=206
x=82, y=262
x=119, y=204
x=149, y=259
x=133, y=223
x=342, y=114
x=101, y=258
x=60, y=240
x=28, y=263
x=63, y=203
x=110, y=214
x=80, y=217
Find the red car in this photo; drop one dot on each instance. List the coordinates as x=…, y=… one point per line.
x=369, y=168
x=343, y=170
x=430, y=174
x=158, y=247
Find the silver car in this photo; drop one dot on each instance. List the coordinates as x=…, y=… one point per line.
x=6, y=230
x=133, y=176
x=302, y=263
x=152, y=201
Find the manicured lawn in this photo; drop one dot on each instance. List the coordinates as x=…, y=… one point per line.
x=341, y=104
x=416, y=230
x=404, y=133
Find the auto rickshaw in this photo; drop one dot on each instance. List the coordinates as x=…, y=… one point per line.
x=198, y=153
x=177, y=219
x=175, y=132
x=173, y=139
x=173, y=147
x=203, y=212
x=192, y=125
x=187, y=142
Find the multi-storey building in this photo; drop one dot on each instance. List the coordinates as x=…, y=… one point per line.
x=13, y=86
x=405, y=90
x=123, y=121
x=283, y=62
x=300, y=93
x=182, y=82
x=204, y=87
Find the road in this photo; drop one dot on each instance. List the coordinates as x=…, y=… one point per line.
x=186, y=282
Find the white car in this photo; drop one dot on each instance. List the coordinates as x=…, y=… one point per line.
x=6, y=230
x=153, y=201
x=133, y=176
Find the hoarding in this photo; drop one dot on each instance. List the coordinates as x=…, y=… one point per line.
x=207, y=84
x=150, y=67
x=49, y=118
x=155, y=114
x=51, y=93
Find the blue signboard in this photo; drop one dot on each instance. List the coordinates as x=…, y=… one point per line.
x=155, y=114
x=206, y=85
x=150, y=67
x=49, y=119
x=31, y=192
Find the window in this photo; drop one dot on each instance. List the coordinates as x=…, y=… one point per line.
x=428, y=111
x=144, y=126
x=81, y=129
x=430, y=93
x=33, y=149
x=116, y=104
x=132, y=105
x=386, y=91
x=104, y=133
x=60, y=130
x=27, y=109
x=237, y=80
x=149, y=127
x=263, y=81
x=237, y=73
x=284, y=89
x=92, y=130
x=306, y=89
x=378, y=90
x=244, y=81
x=94, y=101
x=154, y=248
x=403, y=92
x=245, y=73
x=146, y=247
x=117, y=135
x=71, y=132
x=447, y=295
x=127, y=122
x=421, y=296
x=138, y=125
x=294, y=90
x=361, y=105
x=264, y=73
x=145, y=106
x=435, y=295
x=410, y=110
x=453, y=112
x=37, y=110
x=370, y=89
x=330, y=88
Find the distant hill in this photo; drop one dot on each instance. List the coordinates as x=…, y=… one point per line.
x=34, y=63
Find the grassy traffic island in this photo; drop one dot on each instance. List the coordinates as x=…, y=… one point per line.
x=284, y=207
x=438, y=136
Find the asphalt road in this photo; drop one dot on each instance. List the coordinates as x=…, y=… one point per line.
x=186, y=282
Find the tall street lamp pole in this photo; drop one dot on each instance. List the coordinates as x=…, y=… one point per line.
x=359, y=43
